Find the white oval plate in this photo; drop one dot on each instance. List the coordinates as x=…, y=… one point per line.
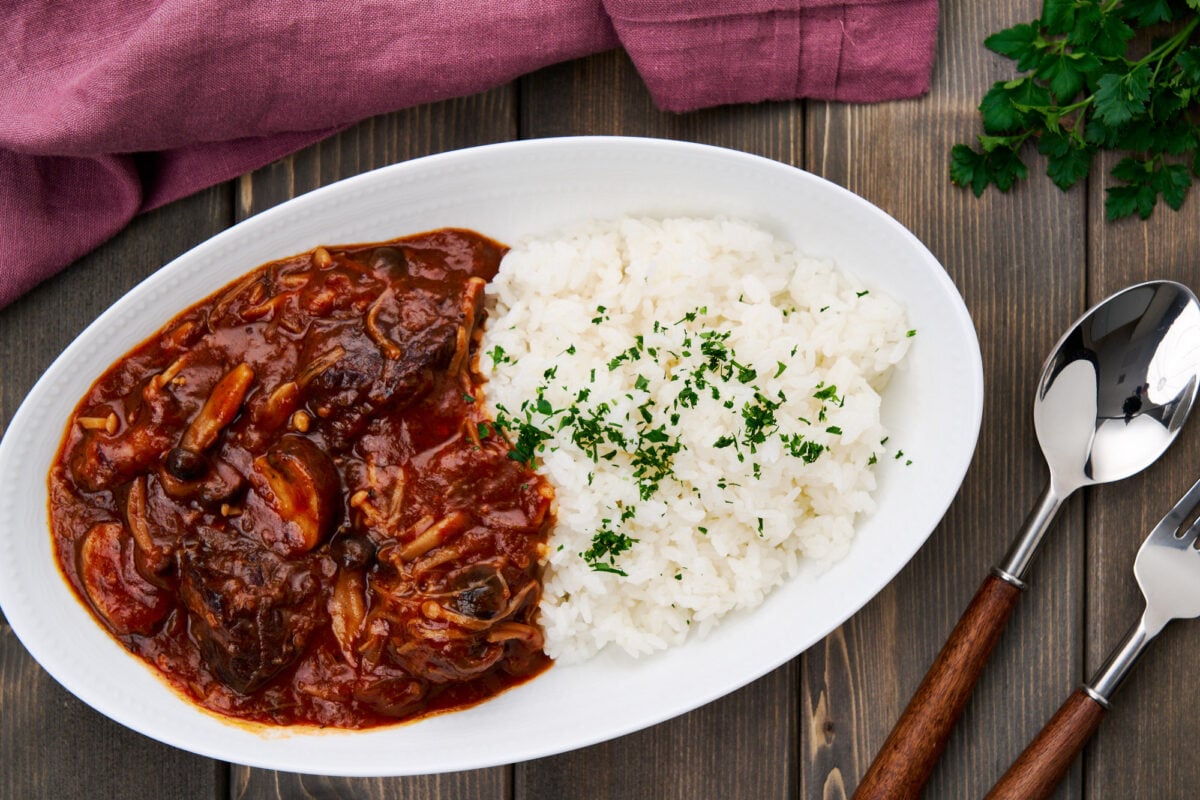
x=933, y=406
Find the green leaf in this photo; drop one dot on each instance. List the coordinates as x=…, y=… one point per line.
x=966, y=168
x=990, y=143
x=1087, y=25
x=1027, y=92
x=1172, y=181
x=1166, y=103
x=1112, y=36
x=1063, y=75
x=1067, y=161
x=1022, y=43
x=1120, y=97
x=1097, y=133
x=1132, y=170
x=1091, y=66
x=999, y=114
x=1058, y=16
x=1177, y=138
x=1124, y=201
x=1002, y=166
x=1084, y=91
x=1188, y=62
x=1147, y=12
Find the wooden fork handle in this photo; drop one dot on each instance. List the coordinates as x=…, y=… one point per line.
x=911, y=751
x=1038, y=770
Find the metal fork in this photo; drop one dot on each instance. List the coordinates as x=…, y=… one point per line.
x=1168, y=570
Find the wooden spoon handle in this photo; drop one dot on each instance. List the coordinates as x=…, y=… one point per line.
x=907, y=758
x=1038, y=770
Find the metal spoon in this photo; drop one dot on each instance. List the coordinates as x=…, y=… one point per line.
x=1113, y=395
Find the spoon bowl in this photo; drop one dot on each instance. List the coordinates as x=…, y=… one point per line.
x=1113, y=396
x=1119, y=385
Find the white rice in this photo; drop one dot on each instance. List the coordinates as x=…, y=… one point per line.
x=717, y=533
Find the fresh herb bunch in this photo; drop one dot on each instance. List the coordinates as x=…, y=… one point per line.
x=1088, y=88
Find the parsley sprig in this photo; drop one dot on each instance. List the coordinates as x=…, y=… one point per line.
x=1090, y=86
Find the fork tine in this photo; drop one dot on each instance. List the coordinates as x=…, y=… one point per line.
x=1170, y=525
x=1189, y=536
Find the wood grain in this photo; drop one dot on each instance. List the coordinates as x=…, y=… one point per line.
x=1019, y=262
x=908, y=756
x=51, y=744
x=1038, y=770
x=493, y=784
x=377, y=142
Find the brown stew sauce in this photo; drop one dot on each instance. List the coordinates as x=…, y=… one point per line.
x=283, y=503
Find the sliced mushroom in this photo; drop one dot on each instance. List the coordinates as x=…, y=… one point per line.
x=299, y=482
x=151, y=559
x=436, y=535
x=529, y=635
x=389, y=347
x=472, y=305
x=127, y=601
x=348, y=610
x=389, y=259
x=219, y=409
x=219, y=481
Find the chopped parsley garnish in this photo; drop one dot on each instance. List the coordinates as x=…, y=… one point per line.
x=825, y=392
x=499, y=357
x=641, y=435
x=607, y=544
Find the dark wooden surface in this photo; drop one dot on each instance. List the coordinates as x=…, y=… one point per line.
x=1027, y=264
x=1037, y=771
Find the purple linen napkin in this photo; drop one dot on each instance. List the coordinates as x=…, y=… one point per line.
x=113, y=107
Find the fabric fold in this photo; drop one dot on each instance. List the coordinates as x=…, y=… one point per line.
x=114, y=107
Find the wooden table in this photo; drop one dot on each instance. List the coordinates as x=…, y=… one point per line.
x=1026, y=263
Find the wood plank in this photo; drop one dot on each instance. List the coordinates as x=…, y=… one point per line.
x=1019, y=263
x=52, y=745
x=743, y=746
x=1138, y=753
x=387, y=139
x=259, y=784
x=377, y=142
